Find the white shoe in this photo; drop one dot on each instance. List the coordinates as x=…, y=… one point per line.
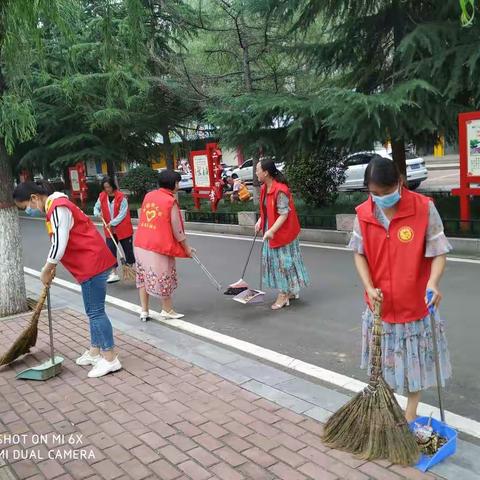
x=144, y=317
x=102, y=367
x=171, y=315
x=113, y=278
x=87, y=359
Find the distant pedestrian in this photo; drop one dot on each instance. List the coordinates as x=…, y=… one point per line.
x=283, y=266
x=400, y=248
x=112, y=205
x=78, y=245
x=159, y=240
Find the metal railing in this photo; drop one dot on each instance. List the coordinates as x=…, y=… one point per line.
x=227, y=218
x=455, y=227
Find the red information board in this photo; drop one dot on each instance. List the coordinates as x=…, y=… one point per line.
x=207, y=175
x=469, y=149
x=78, y=182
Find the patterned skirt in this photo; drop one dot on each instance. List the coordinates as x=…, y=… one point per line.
x=408, y=360
x=283, y=268
x=155, y=272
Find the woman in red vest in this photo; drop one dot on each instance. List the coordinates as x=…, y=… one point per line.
x=160, y=238
x=282, y=262
x=76, y=243
x=400, y=250
x=112, y=205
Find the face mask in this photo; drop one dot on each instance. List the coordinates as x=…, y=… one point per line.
x=387, y=201
x=33, y=212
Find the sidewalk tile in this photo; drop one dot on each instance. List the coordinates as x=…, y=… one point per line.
x=194, y=470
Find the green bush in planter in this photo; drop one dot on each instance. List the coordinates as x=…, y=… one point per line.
x=140, y=180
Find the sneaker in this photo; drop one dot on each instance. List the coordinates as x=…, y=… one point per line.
x=144, y=317
x=171, y=315
x=87, y=359
x=113, y=278
x=102, y=367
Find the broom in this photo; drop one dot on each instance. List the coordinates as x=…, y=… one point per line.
x=372, y=425
x=241, y=285
x=128, y=272
x=28, y=338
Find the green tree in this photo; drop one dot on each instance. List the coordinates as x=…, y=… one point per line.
x=22, y=29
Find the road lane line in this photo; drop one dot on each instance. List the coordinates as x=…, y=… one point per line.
x=303, y=244
x=464, y=424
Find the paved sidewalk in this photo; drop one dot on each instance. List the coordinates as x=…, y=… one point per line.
x=160, y=417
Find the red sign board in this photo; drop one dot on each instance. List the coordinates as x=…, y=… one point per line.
x=78, y=182
x=469, y=149
x=207, y=175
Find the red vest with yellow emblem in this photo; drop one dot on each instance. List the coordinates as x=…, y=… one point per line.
x=289, y=231
x=154, y=232
x=124, y=229
x=86, y=254
x=396, y=257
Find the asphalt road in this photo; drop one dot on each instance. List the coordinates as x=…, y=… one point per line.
x=323, y=327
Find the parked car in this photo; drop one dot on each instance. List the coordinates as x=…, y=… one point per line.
x=245, y=171
x=356, y=165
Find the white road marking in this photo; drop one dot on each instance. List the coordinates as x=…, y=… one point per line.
x=303, y=244
x=464, y=424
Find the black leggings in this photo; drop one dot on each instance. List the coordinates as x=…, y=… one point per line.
x=127, y=245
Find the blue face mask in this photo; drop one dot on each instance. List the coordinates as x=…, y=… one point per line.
x=33, y=212
x=387, y=201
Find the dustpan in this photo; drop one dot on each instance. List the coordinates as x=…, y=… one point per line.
x=50, y=368
x=440, y=427
x=251, y=295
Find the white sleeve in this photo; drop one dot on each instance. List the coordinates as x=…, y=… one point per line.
x=62, y=222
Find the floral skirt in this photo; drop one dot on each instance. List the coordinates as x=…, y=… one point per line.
x=408, y=360
x=155, y=272
x=283, y=268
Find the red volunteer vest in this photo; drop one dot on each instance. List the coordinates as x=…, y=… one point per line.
x=154, y=230
x=396, y=257
x=289, y=231
x=124, y=229
x=86, y=254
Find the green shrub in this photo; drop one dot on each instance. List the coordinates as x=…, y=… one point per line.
x=315, y=176
x=140, y=180
x=94, y=189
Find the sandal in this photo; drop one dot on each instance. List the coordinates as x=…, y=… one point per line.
x=286, y=303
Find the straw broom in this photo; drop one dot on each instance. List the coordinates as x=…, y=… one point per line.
x=372, y=425
x=28, y=338
x=128, y=272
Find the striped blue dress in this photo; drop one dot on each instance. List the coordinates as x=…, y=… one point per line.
x=407, y=348
x=283, y=268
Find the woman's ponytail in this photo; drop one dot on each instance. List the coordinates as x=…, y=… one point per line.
x=268, y=165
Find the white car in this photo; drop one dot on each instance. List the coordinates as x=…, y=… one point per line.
x=245, y=171
x=357, y=164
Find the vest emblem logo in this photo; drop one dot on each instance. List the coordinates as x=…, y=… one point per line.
x=405, y=234
x=151, y=214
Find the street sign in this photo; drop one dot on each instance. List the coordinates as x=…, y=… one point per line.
x=206, y=175
x=78, y=182
x=469, y=149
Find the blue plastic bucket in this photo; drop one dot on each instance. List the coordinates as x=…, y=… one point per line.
x=428, y=461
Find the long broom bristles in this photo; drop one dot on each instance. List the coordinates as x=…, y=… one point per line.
x=372, y=425
x=28, y=338
x=128, y=273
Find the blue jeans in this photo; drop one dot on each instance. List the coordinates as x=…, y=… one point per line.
x=94, y=291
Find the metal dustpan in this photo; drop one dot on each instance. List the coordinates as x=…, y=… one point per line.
x=440, y=427
x=50, y=368
x=251, y=295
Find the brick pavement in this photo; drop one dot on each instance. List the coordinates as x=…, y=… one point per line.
x=160, y=417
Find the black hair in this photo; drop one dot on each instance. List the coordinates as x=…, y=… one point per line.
x=23, y=191
x=110, y=181
x=168, y=179
x=268, y=165
x=382, y=171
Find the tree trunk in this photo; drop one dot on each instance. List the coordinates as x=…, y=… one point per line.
x=13, y=297
x=111, y=168
x=168, y=149
x=399, y=157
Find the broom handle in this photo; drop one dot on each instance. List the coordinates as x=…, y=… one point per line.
x=431, y=310
x=122, y=256
x=376, y=344
x=50, y=325
x=249, y=254
x=212, y=279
